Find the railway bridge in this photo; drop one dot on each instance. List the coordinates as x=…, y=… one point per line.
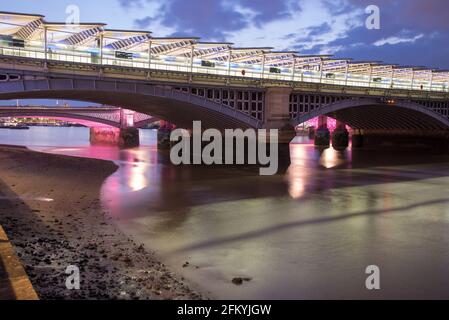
x=181, y=80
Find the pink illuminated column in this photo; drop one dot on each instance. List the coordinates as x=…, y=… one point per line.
x=322, y=122
x=340, y=125
x=127, y=136
x=127, y=118
x=110, y=136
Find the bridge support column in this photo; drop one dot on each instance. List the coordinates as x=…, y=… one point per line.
x=109, y=136
x=340, y=137
x=322, y=133
x=277, y=116
x=163, y=135
x=357, y=139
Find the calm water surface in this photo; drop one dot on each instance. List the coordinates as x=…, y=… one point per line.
x=307, y=233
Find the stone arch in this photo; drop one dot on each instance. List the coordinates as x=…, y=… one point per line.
x=161, y=101
x=371, y=113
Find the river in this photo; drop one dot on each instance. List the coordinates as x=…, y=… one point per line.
x=308, y=233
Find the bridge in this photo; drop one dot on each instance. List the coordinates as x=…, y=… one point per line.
x=185, y=79
x=87, y=116
x=107, y=124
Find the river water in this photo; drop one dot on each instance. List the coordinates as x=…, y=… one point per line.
x=308, y=233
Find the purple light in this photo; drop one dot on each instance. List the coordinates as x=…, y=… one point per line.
x=331, y=123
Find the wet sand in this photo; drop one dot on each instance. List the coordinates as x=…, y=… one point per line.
x=50, y=210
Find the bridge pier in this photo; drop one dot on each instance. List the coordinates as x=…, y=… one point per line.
x=163, y=135
x=277, y=116
x=357, y=139
x=322, y=134
x=340, y=137
x=110, y=136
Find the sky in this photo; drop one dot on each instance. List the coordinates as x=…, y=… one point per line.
x=412, y=32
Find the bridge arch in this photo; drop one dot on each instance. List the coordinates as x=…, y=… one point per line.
x=90, y=117
x=75, y=118
x=379, y=114
x=161, y=101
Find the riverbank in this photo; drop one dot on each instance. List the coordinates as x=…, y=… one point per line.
x=50, y=210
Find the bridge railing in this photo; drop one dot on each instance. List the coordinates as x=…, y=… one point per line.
x=176, y=64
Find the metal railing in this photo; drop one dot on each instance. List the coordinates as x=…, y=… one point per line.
x=167, y=63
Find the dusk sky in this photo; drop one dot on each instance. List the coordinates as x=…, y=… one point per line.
x=413, y=32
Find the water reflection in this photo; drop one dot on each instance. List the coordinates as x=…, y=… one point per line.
x=134, y=164
x=330, y=159
x=46, y=136
x=307, y=234
x=297, y=173
x=297, y=183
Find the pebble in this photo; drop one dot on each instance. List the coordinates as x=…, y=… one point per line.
x=239, y=281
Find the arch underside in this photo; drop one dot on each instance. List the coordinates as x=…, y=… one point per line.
x=72, y=119
x=387, y=118
x=404, y=116
x=180, y=113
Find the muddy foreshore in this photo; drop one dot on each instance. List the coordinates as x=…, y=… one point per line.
x=50, y=210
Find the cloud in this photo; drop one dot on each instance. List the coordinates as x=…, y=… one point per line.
x=266, y=11
x=397, y=40
x=287, y=24
x=131, y=3
x=204, y=18
x=423, y=14
x=149, y=15
x=308, y=26
x=312, y=24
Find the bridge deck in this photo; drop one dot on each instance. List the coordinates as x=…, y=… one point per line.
x=236, y=72
x=31, y=36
